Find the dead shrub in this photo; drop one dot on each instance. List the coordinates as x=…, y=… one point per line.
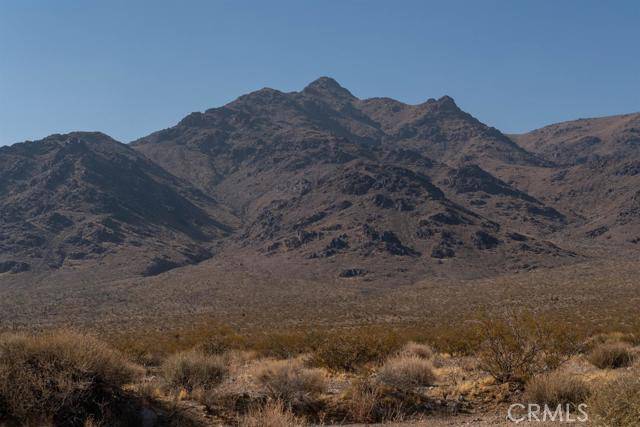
x=192, y=370
x=273, y=414
x=555, y=389
x=361, y=401
x=611, y=356
x=62, y=377
x=616, y=402
x=366, y=401
x=289, y=380
x=406, y=373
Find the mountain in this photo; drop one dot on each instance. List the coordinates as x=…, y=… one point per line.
x=324, y=119
x=361, y=186
x=320, y=185
x=597, y=175
x=84, y=199
x=313, y=197
x=586, y=140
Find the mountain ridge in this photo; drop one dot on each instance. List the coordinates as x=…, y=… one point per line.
x=350, y=188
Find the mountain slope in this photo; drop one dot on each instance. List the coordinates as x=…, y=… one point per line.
x=320, y=172
x=598, y=176
x=579, y=141
x=321, y=184
x=83, y=196
x=269, y=123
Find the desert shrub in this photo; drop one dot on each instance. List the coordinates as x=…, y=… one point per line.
x=515, y=347
x=290, y=381
x=61, y=376
x=193, y=370
x=223, y=342
x=633, y=336
x=611, y=356
x=555, y=388
x=366, y=401
x=350, y=351
x=406, y=372
x=422, y=351
x=152, y=346
x=273, y=414
x=462, y=339
x=609, y=338
x=285, y=345
x=361, y=401
x=419, y=350
x=617, y=402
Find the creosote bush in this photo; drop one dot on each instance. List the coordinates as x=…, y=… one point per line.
x=284, y=345
x=351, y=351
x=555, y=388
x=192, y=370
x=611, y=356
x=151, y=346
x=225, y=340
x=290, y=381
x=61, y=377
x=406, y=373
x=515, y=347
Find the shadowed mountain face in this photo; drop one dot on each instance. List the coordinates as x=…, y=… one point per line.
x=83, y=197
x=320, y=184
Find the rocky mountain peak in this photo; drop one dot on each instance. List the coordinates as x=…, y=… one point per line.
x=448, y=102
x=327, y=86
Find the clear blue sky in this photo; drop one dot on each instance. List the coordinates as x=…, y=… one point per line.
x=130, y=67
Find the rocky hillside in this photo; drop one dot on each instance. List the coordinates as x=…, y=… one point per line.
x=586, y=140
x=85, y=199
x=359, y=185
x=321, y=184
x=597, y=175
